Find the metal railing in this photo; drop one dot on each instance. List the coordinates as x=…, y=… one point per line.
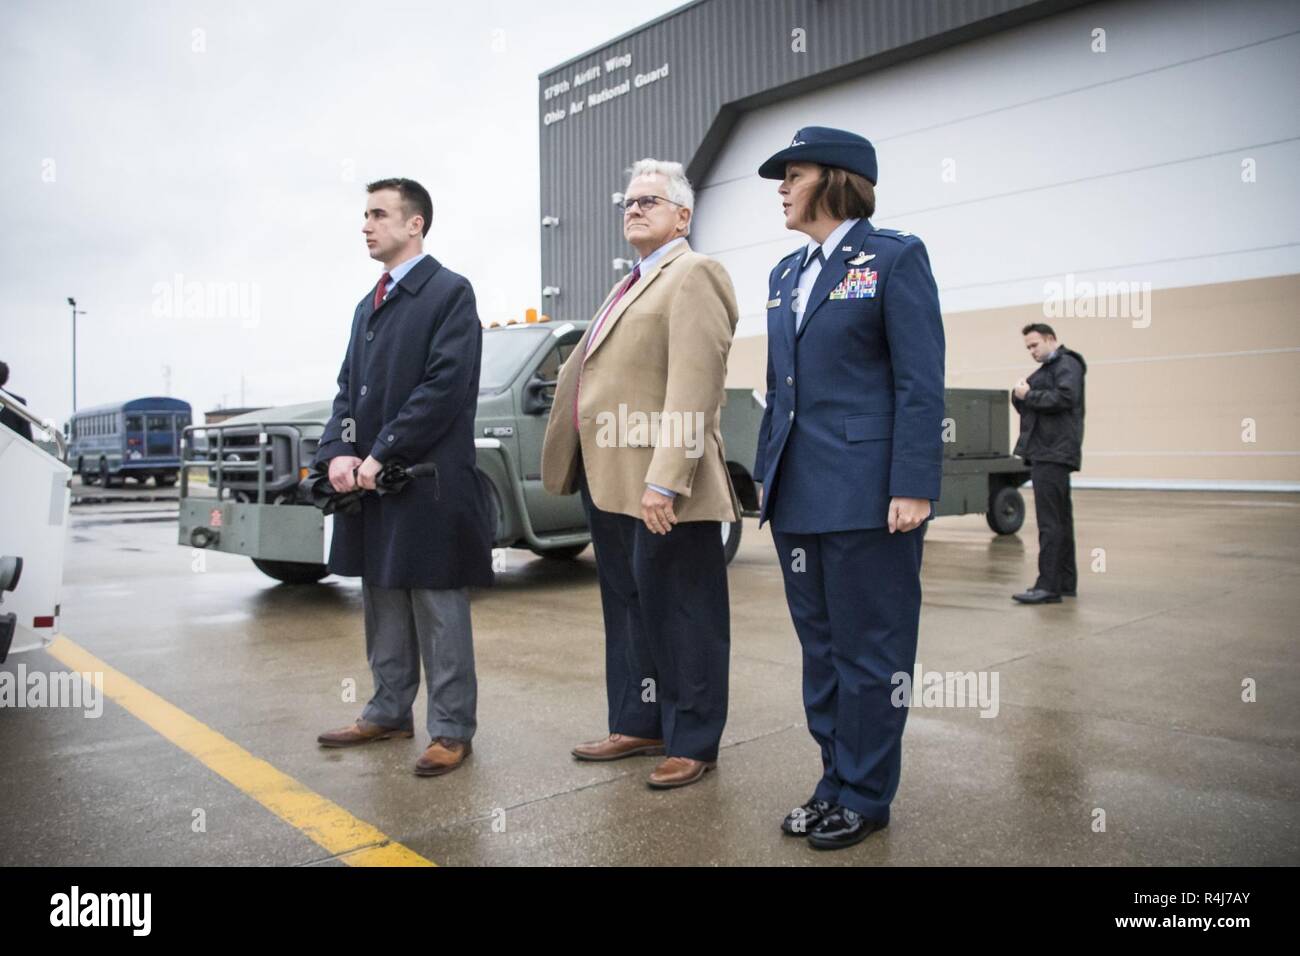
x=262, y=449
x=18, y=408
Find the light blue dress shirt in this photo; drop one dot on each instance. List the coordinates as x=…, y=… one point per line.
x=399, y=271
x=810, y=272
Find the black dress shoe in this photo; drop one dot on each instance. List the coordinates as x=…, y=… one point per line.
x=1071, y=593
x=802, y=819
x=843, y=827
x=1037, y=596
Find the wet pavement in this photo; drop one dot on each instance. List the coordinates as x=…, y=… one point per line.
x=1123, y=707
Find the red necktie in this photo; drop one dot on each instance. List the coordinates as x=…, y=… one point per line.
x=379, y=289
x=595, y=330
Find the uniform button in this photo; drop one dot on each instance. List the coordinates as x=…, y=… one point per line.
x=792, y=414
x=364, y=389
x=390, y=437
x=370, y=336
x=789, y=380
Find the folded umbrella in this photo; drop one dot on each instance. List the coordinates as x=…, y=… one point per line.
x=392, y=478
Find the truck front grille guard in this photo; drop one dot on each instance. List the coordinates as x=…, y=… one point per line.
x=263, y=460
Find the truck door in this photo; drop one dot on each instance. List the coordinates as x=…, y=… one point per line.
x=549, y=513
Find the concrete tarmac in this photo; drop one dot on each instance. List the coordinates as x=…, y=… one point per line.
x=1123, y=709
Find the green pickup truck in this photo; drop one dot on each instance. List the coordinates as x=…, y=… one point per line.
x=243, y=496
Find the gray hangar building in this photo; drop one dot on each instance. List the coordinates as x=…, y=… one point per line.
x=1125, y=171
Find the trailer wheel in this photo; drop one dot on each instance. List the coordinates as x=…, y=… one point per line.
x=731, y=531
x=1006, y=510
x=291, y=572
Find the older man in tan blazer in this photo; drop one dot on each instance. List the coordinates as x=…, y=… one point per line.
x=635, y=429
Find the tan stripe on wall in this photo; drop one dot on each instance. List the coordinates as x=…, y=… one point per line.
x=1164, y=402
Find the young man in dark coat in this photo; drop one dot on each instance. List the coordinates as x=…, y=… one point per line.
x=408, y=392
x=1050, y=403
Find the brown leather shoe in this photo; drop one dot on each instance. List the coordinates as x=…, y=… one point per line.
x=618, y=746
x=678, y=772
x=443, y=755
x=362, y=732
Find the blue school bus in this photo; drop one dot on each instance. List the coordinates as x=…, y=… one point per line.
x=137, y=439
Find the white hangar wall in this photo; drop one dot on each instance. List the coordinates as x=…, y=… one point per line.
x=1029, y=164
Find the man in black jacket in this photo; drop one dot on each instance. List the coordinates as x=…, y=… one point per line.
x=1050, y=403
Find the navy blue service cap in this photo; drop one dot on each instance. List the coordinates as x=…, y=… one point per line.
x=829, y=147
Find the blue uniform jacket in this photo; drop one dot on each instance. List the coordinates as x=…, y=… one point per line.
x=855, y=400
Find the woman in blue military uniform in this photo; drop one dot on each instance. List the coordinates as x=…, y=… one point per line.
x=850, y=454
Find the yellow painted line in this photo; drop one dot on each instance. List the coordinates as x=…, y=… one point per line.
x=341, y=834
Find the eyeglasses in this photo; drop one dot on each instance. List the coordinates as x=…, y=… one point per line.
x=645, y=202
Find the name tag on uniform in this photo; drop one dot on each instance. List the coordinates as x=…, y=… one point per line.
x=774, y=303
x=858, y=284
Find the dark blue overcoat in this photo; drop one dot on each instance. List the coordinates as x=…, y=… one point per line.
x=409, y=389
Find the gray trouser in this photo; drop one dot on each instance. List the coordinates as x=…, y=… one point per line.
x=405, y=625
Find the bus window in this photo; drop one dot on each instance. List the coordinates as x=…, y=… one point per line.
x=160, y=423
x=133, y=423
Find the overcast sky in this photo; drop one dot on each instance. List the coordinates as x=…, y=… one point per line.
x=224, y=148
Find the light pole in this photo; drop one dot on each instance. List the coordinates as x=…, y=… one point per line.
x=75, y=312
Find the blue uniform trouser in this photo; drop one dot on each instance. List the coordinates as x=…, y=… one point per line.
x=855, y=597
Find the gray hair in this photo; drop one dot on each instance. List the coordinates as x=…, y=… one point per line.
x=679, y=187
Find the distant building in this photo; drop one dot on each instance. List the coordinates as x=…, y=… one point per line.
x=218, y=415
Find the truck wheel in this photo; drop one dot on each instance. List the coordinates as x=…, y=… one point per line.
x=1006, y=510
x=292, y=572
x=731, y=538
x=561, y=554
x=164, y=481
